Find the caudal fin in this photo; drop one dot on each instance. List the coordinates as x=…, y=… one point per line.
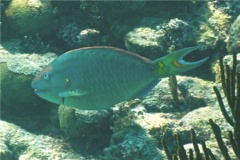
x=173, y=63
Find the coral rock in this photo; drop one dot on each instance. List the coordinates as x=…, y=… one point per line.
x=75, y=37
x=153, y=43
x=17, y=73
x=30, y=16
x=234, y=39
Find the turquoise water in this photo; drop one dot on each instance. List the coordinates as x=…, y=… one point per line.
x=35, y=32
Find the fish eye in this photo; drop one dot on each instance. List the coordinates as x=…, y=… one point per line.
x=46, y=76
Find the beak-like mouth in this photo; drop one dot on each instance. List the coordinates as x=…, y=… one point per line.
x=34, y=86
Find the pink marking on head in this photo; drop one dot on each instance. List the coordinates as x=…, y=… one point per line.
x=40, y=74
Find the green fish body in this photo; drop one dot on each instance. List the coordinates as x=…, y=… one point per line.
x=100, y=77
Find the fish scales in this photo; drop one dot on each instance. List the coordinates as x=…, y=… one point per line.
x=98, y=77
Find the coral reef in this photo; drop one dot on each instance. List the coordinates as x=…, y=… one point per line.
x=99, y=11
x=5, y=153
x=16, y=76
x=30, y=17
x=132, y=143
x=199, y=149
x=227, y=60
x=165, y=125
x=174, y=89
x=178, y=33
x=213, y=26
x=233, y=44
x=75, y=37
x=153, y=43
x=230, y=84
x=90, y=128
x=231, y=7
x=133, y=129
x=192, y=90
x=144, y=41
x=4, y=27
x=34, y=45
x=194, y=150
x=201, y=117
x=26, y=145
x=82, y=123
x=28, y=63
x=12, y=87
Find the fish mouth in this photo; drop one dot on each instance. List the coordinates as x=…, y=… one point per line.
x=35, y=88
x=33, y=85
x=37, y=91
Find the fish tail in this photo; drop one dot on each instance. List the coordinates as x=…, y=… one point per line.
x=173, y=63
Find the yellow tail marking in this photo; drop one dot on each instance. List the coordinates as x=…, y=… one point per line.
x=161, y=68
x=176, y=63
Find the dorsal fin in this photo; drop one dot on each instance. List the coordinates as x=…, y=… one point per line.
x=115, y=49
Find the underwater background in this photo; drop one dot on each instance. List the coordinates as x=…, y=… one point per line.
x=175, y=114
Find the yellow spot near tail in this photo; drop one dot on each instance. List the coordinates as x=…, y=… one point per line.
x=161, y=68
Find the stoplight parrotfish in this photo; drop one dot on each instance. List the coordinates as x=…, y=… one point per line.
x=99, y=77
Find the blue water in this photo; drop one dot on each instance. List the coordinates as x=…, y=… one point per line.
x=34, y=128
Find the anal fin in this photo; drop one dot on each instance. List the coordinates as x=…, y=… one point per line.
x=146, y=90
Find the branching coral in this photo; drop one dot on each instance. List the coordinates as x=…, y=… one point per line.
x=231, y=88
x=182, y=153
x=34, y=45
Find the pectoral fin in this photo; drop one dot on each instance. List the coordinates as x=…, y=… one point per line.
x=71, y=93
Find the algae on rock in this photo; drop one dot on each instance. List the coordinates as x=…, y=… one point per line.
x=79, y=123
x=30, y=17
x=144, y=41
x=75, y=36
x=25, y=145
x=153, y=42
x=17, y=72
x=233, y=44
x=213, y=26
x=132, y=143
x=90, y=128
x=13, y=85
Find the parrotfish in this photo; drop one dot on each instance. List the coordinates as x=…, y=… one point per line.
x=94, y=78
